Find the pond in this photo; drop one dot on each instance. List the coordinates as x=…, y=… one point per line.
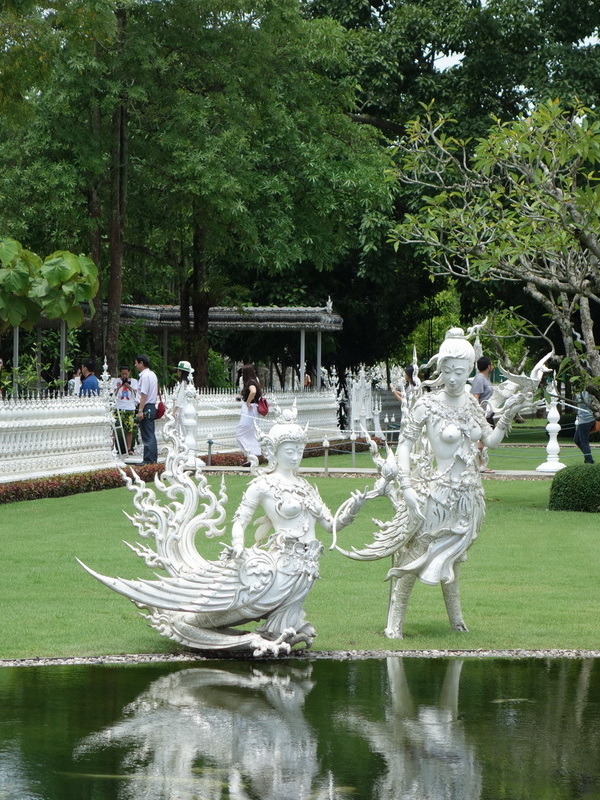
x=376, y=729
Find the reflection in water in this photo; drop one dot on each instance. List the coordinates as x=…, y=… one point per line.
x=407, y=728
x=13, y=778
x=425, y=748
x=249, y=728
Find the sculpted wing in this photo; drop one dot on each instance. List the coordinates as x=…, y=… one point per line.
x=390, y=537
x=222, y=586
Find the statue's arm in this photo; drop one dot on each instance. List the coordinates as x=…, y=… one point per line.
x=346, y=513
x=411, y=433
x=243, y=516
x=493, y=436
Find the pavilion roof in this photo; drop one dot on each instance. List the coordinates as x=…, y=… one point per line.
x=293, y=318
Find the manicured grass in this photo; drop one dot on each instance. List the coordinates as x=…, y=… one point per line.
x=531, y=580
x=506, y=457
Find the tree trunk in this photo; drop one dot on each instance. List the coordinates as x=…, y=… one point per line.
x=93, y=202
x=95, y=214
x=184, y=306
x=201, y=301
x=118, y=200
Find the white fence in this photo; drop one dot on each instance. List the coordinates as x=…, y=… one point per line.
x=218, y=413
x=41, y=436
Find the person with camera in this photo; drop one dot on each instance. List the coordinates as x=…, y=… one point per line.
x=126, y=390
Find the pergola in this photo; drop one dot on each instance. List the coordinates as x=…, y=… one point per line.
x=266, y=318
x=165, y=319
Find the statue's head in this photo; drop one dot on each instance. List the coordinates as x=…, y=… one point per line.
x=455, y=350
x=285, y=431
x=456, y=345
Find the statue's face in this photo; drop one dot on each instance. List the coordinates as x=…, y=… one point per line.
x=455, y=372
x=289, y=455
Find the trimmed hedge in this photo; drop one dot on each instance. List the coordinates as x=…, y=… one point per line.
x=576, y=488
x=75, y=483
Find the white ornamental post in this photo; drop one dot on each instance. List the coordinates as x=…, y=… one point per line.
x=552, y=464
x=190, y=424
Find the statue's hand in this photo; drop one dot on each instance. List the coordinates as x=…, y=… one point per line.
x=389, y=470
x=359, y=498
x=411, y=498
x=237, y=549
x=518, y=401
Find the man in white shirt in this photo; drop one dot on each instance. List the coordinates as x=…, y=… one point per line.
x=125, y=389
x=148, y=395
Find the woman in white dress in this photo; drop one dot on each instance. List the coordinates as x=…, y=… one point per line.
x=245, y=432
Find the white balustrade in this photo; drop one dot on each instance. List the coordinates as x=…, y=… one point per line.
x=42, y=436
x=218, y=414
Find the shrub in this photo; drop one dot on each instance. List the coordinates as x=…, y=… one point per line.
x=576, y=488
x=63, y=485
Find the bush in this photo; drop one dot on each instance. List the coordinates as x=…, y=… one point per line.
x=576, y=488
x=63, y=485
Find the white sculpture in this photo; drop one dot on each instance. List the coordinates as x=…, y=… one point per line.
x=200, y=601
x=213, y=733
x=552, y=463
x=527, y=384
x=437, y=758
x=437, y=491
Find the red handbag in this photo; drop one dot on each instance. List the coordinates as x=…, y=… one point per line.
x=262, y=407
x=160, y=408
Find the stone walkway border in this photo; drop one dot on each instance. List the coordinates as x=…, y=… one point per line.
x=305, y=655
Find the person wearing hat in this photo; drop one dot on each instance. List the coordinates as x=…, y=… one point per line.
x=184, y=370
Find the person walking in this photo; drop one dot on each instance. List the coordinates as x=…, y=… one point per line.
x=245, y=433
x=482, y=390
x=583, y=425
x=148, y=394
x=184, y=370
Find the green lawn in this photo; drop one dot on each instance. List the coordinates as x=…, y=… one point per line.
x=531, y=580
x=524, y=449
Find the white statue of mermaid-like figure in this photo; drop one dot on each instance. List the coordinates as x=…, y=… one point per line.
x=201, y=601
x=438, y=492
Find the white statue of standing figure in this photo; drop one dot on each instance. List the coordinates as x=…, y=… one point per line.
x=200, y=602
x=438, y=496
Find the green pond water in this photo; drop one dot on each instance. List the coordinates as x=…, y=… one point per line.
x=389, y=729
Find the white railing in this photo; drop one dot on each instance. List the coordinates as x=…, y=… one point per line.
x=42, y=436
x=218, y=414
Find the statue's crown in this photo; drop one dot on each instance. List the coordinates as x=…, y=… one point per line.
x=284, y=429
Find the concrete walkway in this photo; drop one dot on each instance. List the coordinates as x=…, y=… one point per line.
x=370, y=472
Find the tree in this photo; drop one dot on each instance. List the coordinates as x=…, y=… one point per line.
x=523, y=209
x=512, y=53
x=509, y=53
x=202, y=141
x=53, y=287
